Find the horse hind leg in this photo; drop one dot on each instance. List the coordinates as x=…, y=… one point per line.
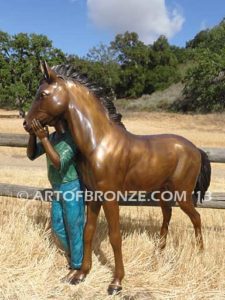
x=187, y=205
x=167, y=213
x=183, y=183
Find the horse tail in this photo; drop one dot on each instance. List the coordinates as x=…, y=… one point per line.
x=204, y=177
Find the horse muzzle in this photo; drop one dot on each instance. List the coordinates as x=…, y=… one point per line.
x=26, y=126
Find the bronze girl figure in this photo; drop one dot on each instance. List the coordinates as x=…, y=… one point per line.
x=67, y=209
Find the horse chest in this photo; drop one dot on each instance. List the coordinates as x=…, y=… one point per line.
x=101, y=171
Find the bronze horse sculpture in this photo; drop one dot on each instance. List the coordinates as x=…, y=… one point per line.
x=113, y=159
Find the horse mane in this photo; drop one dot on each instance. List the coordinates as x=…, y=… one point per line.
x=68, y=72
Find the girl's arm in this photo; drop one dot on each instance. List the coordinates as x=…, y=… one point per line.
x=42, y=134
x=34, y=149
x=32, y=145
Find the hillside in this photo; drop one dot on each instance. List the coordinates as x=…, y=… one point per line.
x=157, y=101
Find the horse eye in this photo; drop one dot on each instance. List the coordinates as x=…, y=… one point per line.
x=44, y=94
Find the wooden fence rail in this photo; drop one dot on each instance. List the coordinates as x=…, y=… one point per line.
x=214, y=200
x=216, y=155
x=9, y=116
x=13, y=140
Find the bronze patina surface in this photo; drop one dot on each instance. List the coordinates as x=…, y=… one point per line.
x=113, y=159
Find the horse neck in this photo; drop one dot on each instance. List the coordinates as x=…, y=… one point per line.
x=87, y=119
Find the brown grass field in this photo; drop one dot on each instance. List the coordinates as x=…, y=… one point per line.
x=31, y=264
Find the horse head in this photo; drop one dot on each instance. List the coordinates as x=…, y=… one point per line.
x=51, y=99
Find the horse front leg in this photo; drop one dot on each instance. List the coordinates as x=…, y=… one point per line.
x=93, y=209
x=111, y=210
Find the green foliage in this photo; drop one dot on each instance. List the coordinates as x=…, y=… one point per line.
x=163, y=65
x=141, y=66
x=212, y=39
x=204, y=89
x=183, y=55
x=163, y=76
x=132, y=57
x=102, y=67
x=20, y=56
x=127, y=68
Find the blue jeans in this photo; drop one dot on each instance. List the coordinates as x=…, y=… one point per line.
x=67, y=216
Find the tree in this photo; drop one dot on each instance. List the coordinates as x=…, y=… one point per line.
x=102, y=67
x=133, y=57
x=162, y=53
x=199, y=40
x=20, y=56
x=203, y=91
x=212, y=39
x=162, y=64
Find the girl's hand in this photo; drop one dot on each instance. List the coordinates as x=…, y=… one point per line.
x=40, y=131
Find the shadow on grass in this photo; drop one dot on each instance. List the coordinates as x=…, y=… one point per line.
x=129, y=226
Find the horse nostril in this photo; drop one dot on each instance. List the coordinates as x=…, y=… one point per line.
x=24, y=123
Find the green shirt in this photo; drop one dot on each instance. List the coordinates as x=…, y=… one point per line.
x=65, y=147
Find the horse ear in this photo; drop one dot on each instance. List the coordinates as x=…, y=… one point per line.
x=48, y=73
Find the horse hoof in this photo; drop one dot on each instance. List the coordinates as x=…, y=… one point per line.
x=68, y=277
x=75, y=281
x=162, y=247
x=114, y=289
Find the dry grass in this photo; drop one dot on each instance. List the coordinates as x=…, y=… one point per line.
x=9, y=112
x=31, y=265
x=202, y=130
x=159, y=100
